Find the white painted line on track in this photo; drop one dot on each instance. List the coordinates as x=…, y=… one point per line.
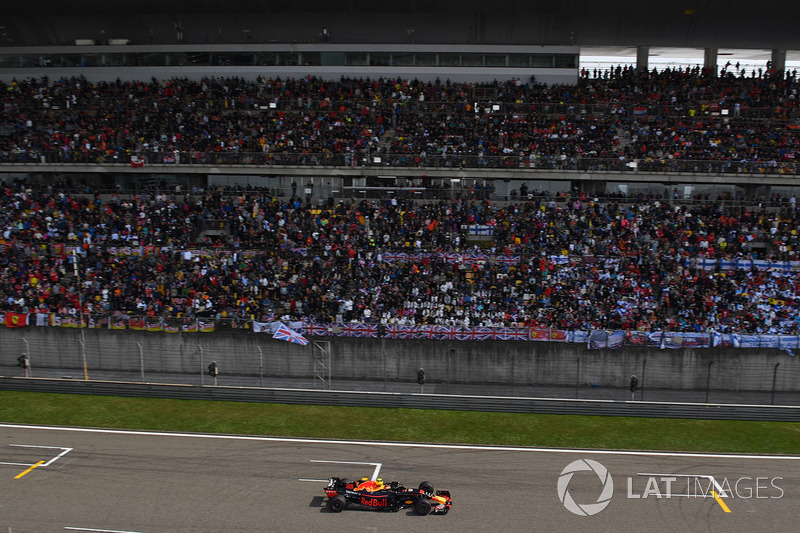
x=99, y=530
x=406, y=444
x=314, y=480
x=374, y=473
x=48, y=463
x=64, y=451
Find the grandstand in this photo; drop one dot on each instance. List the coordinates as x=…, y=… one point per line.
x=463, y=153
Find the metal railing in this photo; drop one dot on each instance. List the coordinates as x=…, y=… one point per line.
x=525, y=161
x=265, y=103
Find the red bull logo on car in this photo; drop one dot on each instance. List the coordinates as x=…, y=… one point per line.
x=375, y=502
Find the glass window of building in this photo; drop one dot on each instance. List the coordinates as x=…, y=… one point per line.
x=426, y=60
x=403, y=59
x=494, y=60
x=311, y=58
x=356, y=58
x=232, y=59
x=566, y=61
x=472, y=60
x=380, y=59
x=266, y=58
x=450, y=60
x=519, y=60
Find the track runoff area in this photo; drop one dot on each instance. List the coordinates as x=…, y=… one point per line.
x=77, y=479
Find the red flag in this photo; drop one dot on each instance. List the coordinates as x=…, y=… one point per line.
x=539, y=334
x=16, y=320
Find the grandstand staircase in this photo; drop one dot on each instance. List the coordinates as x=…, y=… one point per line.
x=624, y=140
x=385, y=144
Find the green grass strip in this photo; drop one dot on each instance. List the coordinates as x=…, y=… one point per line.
x=408, y=425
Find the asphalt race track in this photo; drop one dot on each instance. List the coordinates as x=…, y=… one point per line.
x=115, y=481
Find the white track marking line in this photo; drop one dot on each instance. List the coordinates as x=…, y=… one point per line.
x=407, y=444
x=64, y=452
x=374, y=473
x=98, y=530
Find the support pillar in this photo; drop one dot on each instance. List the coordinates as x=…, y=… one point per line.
x=778, y=62
x=642, y=58
x=710, y=60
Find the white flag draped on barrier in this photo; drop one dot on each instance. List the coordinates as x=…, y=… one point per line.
x=263, y=327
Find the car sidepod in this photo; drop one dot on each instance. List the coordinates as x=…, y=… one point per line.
x=377, y=500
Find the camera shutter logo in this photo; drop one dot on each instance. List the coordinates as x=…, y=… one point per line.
x=585, y=509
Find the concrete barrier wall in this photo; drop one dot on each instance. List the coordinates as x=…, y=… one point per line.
x=474, y=362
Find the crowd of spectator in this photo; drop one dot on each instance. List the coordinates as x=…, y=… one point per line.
x=676, y=119
x=629, y=265
x=582, y=263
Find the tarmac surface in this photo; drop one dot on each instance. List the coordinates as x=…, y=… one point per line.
x=118, y=481
x=527, y=391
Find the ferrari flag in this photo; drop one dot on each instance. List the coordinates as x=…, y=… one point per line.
x=285, y=334
x=16, y=320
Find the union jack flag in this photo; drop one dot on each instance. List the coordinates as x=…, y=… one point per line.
x=313, y=329
x=486, y=333
x=391, y=257
x=400, y=332
x=425, y=332
x=285, y=334
x=357, y=330
x=508, y=259
x=448, y=333
x=511, y=334
x=474, y=258
x=469, y=334
x=349, y=330
x=369, y=330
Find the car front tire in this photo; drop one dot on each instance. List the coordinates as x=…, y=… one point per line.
x=337, y=504
x=422, y=507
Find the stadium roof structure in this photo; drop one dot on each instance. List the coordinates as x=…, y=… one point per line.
x=689, y=23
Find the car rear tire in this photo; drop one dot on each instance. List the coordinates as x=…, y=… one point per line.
x=427, y=486
x=422, y=507
x=337, y=504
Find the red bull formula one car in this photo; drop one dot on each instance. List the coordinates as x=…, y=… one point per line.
x=374, y=494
